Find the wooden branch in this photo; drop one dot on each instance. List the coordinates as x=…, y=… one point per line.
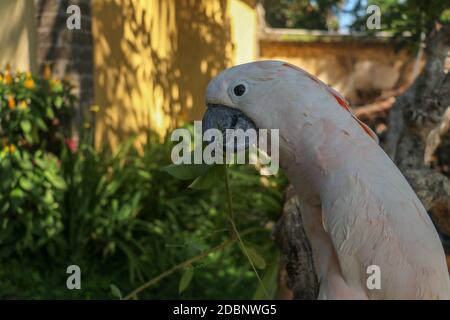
x=370, y=111
x=297, y=256
x=434, y=138
x=424, y=86
x=418, y=123
x=433, y=189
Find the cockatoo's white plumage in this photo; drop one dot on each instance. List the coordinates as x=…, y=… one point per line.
x=357, y=207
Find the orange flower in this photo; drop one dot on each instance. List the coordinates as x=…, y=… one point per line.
x=47, y=73
x=11, y=102
x=29, y=82
x=7, y=78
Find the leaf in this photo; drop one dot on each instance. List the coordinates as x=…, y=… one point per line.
x=40, y=163
x=29, y=138
x=55, y=180
x=48, y=198
x=115, y=291
x=17, y=197
x=4, y=208
x=26, y=164
x=185, y=280
x=17, y=194
x=57, y=87
x=49, y=112
x=269, y=281
x=256, y=258
x=58, y=102
x=185, y=171
x=41, y=124
x=25, y=184
x=144, y=174
x=209, y=179
x=25, y=125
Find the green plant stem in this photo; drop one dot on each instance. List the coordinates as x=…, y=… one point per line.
x=230, y=202
x=234, y=237
x=181, y=265
x=185, y=263
x=235, y=231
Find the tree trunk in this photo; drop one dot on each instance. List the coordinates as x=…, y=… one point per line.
x=417, y=141
x=296, y=258
x=418, y=136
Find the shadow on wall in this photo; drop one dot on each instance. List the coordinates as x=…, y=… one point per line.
x=152, y=62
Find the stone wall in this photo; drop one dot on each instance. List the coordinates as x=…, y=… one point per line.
x=361, y=70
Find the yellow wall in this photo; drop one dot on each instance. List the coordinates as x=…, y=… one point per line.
x=154, y=58
x=17, y=34
x=243, y=21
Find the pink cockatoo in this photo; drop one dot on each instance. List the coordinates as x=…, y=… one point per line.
x=358, y=209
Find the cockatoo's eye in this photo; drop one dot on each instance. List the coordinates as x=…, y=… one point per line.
x=239, y=90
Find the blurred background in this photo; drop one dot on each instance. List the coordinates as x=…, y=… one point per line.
x=85, y=115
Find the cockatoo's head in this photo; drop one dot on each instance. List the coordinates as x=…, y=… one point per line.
x=274, y=95
x=257, y=95
x=237, y=97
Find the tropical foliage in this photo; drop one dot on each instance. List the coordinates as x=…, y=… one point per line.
x=117, y=214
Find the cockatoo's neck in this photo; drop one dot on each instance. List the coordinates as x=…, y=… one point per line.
x=317, y=148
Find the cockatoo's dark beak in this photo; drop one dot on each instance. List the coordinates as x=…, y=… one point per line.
x=222, y=118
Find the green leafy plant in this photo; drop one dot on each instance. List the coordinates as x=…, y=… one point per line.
x=103, y=203
x=32, y=189
x=206, y=177
x=116, y=214
x=32, y=110
x=35, y=112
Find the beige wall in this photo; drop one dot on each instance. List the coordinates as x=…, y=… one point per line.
x=361, y=71
x=154, y=58
x=244, y=37
x=17, y=34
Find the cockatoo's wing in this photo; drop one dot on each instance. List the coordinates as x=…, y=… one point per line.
x=375, y=218
x=369, y=211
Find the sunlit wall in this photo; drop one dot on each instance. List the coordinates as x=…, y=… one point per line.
x=17, y=34
x=153, y=59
